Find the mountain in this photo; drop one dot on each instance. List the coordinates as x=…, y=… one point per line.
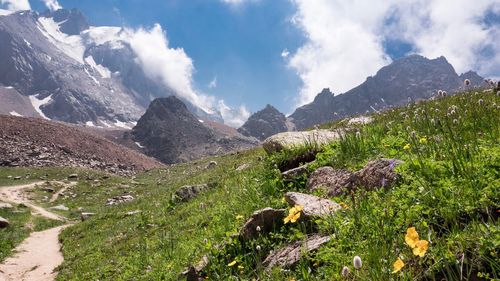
x=265, y=123
x=34, y=142
x=410, y=78
x=75, y=73
x=169, y=132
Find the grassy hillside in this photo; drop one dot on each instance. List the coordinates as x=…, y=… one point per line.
x=449, y=190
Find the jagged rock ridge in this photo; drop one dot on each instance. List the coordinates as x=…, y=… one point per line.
x=265, y=123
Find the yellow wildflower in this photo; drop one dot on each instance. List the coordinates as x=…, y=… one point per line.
x=293, y=214
x=343, y=205
x=398, y=265
x=420, y=248
x=240, y=267
x=407, y=146
x=411, y=237
x=233, y=263
x=423, y=140
x=239, y=217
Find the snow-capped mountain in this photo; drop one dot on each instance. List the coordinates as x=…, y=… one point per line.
x=74, y=72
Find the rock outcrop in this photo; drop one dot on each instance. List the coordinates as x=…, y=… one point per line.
x=291, y=140
x=262, y=221
x=333, y=181
x=265, y=123
x=313, y=206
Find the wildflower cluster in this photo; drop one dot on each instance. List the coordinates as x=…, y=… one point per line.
x=419, y=247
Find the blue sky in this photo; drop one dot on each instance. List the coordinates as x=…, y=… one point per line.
x=283, y=52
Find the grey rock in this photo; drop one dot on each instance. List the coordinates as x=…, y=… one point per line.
x=73, y=176
x=4, y=223
x=333, y=181
x=211, y=164
x=192, y=273
x=243, y=167
x=291, y=140
x=131, y=213
x=119, y=199
x=262, y=221
x=17, y=178
x=188, y=192
x=289, y=255
x=5, y=206
x=378, y=173
x=313, y=205
x=294, y=173
x=86, y=216
x=60, y=208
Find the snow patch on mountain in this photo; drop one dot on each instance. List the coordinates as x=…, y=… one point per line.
x=39, y=103
x=5, y=12
x=71, y=45
x=13, y=113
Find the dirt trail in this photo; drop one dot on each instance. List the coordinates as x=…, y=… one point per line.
x=38, y=256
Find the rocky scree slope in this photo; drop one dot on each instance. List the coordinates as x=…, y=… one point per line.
x=410, y=78
x=172, y=134
x=34, y=142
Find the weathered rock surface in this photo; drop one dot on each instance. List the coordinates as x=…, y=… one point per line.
x=265, y=123
x=289, y=255
x=4, y=223
x=290, y=140
x=378, y=173
x=333, y=181
x=119, y=199
x=188, y=192
x=294, y=173
x=262, y=221
x=192, y=273
x=313, y=205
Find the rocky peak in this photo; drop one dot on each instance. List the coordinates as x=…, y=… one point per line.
x=71, y=22
x=265, y=123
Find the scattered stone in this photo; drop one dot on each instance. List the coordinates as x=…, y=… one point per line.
x=131, y=213
x=361, y=120
x=188, y=192
x=289, y=255
x=60, y=208
x=264, y=220
x=86, y=216
x=9, y=177
x=290, y=140
x=119, y=199
x=211, y=164
x=6, y=206
x=73, y=176
x=192, y=273
x=48, y=189
x=294, y=173
x=333, y=181
x=313, y=205
x=378, y=173
x=243, y=167
x=17, y=178
x=4, y=223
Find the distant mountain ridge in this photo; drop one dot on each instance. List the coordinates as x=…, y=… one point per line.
x=76, y=73
x=265, y=123
x=169, y=132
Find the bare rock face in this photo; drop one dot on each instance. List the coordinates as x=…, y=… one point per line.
x=378, y=173
x=313, y=205
x=289, y=255
x=333, y=181
x=290, y=140
x=188, y=192
x=4, y=223
x=262, y=221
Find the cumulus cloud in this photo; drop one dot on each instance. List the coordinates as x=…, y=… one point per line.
x=16, y=5
x=285, y=53
x=233, y=117
x=174, y=68
x=345, y=39
x=213, y=83
x=52, y=5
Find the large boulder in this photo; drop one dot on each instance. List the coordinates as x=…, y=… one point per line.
x=289, y=255
x=262, y=221
x=313, y=205
x=378, y=173
x=333, y=181
x=4, y=223
x=291, y=140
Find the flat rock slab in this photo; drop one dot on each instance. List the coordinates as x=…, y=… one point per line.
x=313, y=205
x=264, y=220
x=291, y=140
x=333, y=181
x=289, y=255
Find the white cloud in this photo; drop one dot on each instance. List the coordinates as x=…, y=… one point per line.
x=52, y=5
x=213, y=83
x=233, y=117
x=16, y=5
x=345, y=38
x=285, y=53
